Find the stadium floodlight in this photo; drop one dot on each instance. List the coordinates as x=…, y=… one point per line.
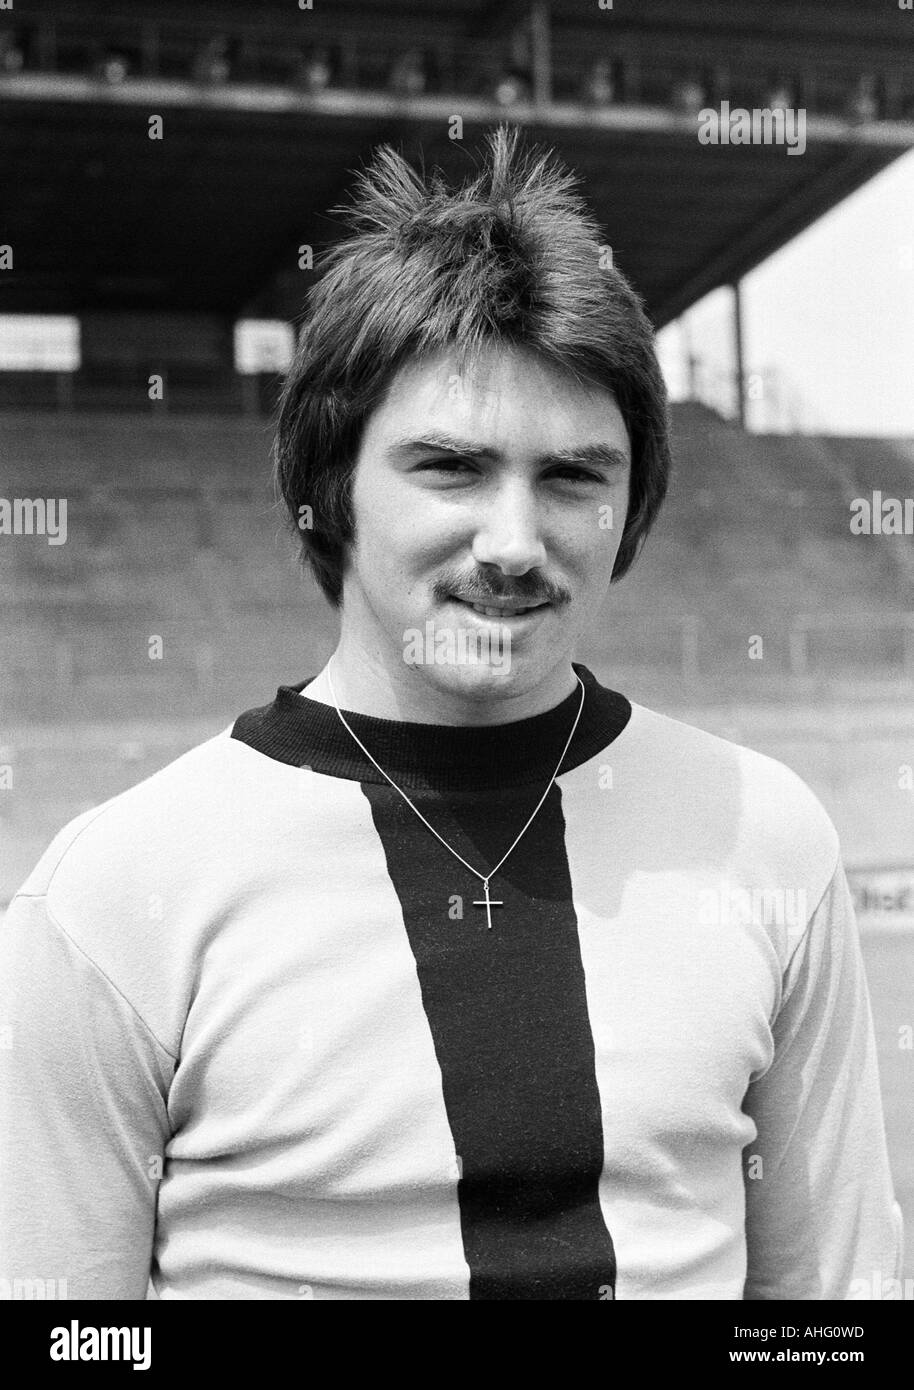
x=12, y=58
x=599, y=88
x=510, y=88
x=315, y=72
x=689, y=95
x=212, y=63
x=113, y=67
x=781, y=97
x=408, y=77
x=864, y=104
x=514, y=82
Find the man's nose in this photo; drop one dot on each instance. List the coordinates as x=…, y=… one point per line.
x=508, y=534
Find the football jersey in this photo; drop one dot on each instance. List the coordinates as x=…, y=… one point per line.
x=268, y=1038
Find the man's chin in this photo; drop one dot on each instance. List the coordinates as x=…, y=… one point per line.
x=480, y=680
x=482, y=658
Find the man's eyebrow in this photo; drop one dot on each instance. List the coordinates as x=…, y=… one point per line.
x=605, y=455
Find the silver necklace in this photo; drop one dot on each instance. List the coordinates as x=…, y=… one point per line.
x=487, y=902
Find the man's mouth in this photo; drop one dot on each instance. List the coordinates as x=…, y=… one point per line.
x=499, y=610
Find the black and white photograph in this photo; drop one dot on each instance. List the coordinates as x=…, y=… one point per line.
x=457, y=662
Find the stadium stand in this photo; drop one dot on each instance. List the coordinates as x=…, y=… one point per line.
x=754, y=541
x=174, y=534
x=178, y=536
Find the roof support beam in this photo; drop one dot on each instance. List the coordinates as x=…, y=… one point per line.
x=808, y=202
x=541, y=53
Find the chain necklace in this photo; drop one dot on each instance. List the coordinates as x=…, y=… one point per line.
x=487, y=902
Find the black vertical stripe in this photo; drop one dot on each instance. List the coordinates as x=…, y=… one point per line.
x=508, y=1015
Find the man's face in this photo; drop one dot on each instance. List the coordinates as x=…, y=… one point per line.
x=507, y=487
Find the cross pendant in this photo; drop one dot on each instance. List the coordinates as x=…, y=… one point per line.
x=488, y=903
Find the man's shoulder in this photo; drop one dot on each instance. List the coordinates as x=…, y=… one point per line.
x=115, y=883
x=696, y=753
x=706, y=775
x=131, y=825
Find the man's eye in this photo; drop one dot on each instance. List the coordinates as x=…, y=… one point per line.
x=580, y=473
x=571, y=472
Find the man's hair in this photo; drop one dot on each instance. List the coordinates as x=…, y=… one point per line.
x=512, y=259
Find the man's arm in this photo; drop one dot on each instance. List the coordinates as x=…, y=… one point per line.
x=821, y=1220
x=83, y=1118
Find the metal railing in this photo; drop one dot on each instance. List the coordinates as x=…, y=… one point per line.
x=123, y=386
x=552, y=66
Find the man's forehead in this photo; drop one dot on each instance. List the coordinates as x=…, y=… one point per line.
x=485, y=370
x=469, y=397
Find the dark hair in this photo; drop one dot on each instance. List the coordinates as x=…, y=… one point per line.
x=513, y=258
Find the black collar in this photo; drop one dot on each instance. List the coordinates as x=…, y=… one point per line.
x=443, y=757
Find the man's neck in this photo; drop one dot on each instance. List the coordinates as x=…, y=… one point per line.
x=363, y=686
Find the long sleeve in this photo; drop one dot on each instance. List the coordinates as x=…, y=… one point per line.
x=821, y=1219
x=83, y=1118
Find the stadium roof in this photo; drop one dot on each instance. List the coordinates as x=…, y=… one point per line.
x=210, y=217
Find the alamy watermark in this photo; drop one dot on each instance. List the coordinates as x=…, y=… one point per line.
x=34, y=516
x=732, y=905
x=86, y=1343
x=458, y=646
x=876, y=1287
x=779, y=125
x=882, y=516
x=31, y=1288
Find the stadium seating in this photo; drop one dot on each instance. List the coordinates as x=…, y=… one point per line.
x=754, y=540
x=174, y=532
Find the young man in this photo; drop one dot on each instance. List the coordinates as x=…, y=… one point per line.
x=451, y=973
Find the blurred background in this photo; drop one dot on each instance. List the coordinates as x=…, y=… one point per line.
x=166, y=172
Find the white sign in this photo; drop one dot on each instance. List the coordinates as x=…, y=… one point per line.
x=883, y=897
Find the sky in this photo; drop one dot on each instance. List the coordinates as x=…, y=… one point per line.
x=828, y=322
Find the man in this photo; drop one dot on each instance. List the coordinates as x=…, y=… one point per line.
x=452, y=973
